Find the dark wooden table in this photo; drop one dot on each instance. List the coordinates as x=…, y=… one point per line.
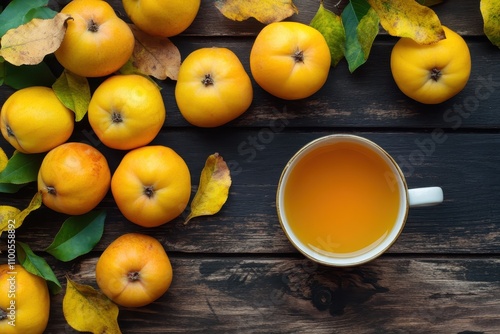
x=236, y=272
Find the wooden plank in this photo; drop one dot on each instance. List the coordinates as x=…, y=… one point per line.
x=367, y=98
x=247, y=295
x=461, y=15
x=236, y=272
x=464, y=165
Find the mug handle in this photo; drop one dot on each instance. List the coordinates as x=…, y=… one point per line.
x=425, y=196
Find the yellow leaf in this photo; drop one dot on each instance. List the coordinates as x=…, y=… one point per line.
x=490, y=10
x=3, y=159
x=89, y=310
x=29, y=43
x=155, y=56
x=12, y=218
x=264, y=11
x=8, y=217
x=213, y=190
x=408, y=18
x=35, y=203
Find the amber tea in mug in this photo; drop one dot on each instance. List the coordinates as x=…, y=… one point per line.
x=343, y=200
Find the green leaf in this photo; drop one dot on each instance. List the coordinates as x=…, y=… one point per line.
x=361, y=26
x=9, y=188
x=39, y=13
x=19, y=12
x=22, y=168
x=490, y=10
x=24, y=76
x=368, y=29
x=330, y=26
x=78, y=235
x=74, y=92
x=37, y=266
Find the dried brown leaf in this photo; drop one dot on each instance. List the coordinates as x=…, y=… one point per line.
x=29, y=43
x=155, y=56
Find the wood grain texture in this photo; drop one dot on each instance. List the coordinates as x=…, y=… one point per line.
x=464, y=165
x=235, y=272
x=274, y=295
x=367, y=98
x=461, y=15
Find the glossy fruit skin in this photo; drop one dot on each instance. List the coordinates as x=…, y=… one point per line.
x=91, y=53
x=31, y=298
x=33, y=120
x=413, y=67
x=212, y=87
x=79, y=175
x=151, y=185
x=126, y=111
x=164, y=18
x=134, y=256
x=290, y=60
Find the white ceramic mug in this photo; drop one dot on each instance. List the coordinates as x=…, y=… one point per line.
x=417, y=197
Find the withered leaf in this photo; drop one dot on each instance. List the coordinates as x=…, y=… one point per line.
x=29, y=43
x=12, y=218
x=330, y=26
x=89, y=310
x=409, y=19
x=213, y=189
x=8, y=218
x=264, y=11
x=155, y=56
x=490, y=10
